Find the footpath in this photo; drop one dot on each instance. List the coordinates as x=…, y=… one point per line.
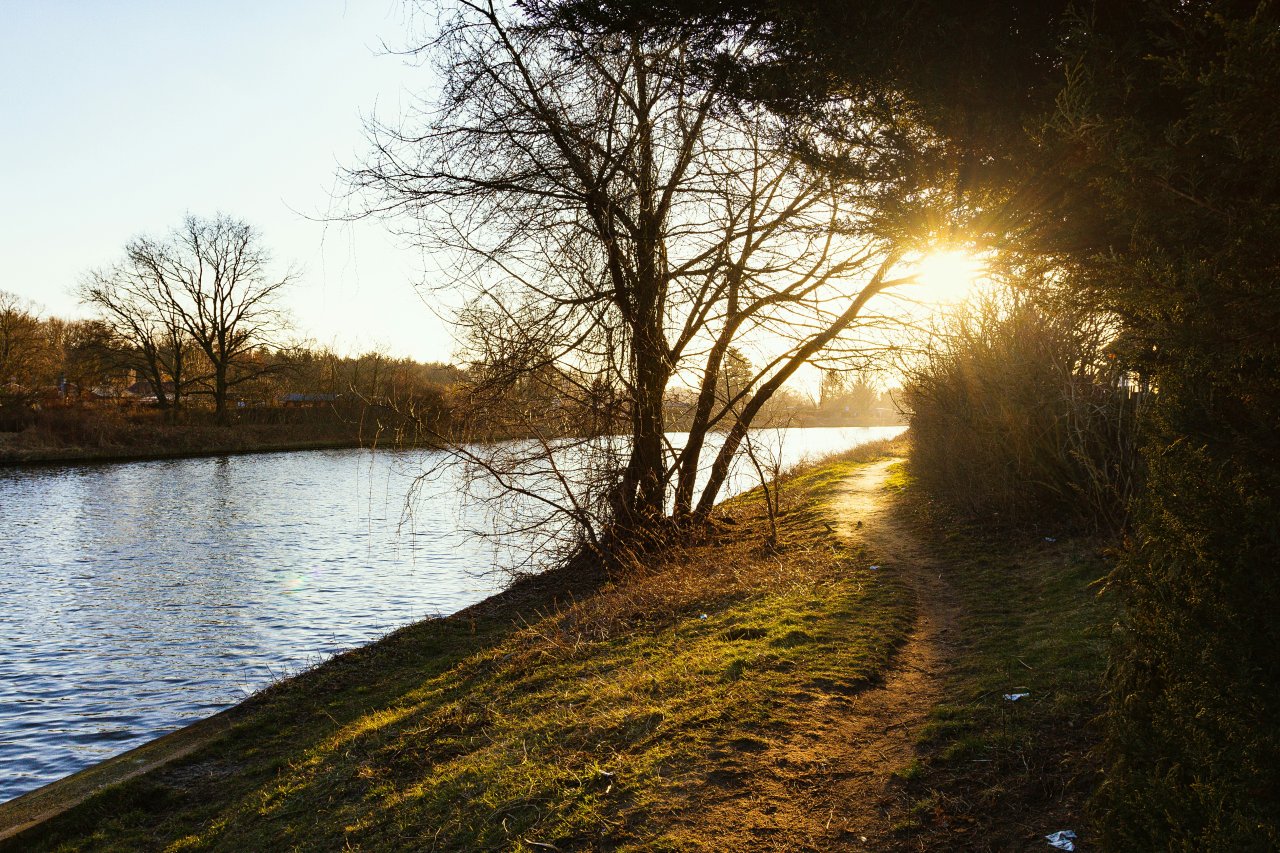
x=840, y=691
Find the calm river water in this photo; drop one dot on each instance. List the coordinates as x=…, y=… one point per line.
x=138, y=597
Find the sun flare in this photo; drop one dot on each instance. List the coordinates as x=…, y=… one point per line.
x=949, y=275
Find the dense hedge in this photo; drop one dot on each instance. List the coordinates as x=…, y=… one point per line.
x=1168, y=130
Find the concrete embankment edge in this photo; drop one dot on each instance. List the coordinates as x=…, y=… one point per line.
x=49, y=801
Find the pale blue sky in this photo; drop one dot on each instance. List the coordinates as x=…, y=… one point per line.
x=117, y=118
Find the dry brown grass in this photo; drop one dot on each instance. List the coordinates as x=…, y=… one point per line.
x=611, y=715
x=731, y=559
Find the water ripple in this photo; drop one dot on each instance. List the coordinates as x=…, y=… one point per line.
x=140, y=597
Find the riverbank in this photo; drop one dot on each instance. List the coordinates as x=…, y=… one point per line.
x=727, y=697
x=104, y=435
x=71, y=436
x=88, y=456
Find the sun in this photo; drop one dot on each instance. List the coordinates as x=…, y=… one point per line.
x=948, y=275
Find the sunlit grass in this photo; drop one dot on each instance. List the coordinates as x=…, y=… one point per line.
x=583, y=720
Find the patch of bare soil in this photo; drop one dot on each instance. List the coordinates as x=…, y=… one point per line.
x=830, y=784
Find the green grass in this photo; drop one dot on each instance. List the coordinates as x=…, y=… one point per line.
x=995, y=774
x=580, y=713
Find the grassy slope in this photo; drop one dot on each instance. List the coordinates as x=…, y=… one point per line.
x=589, y=721
x=995, y=774
x=586, y=713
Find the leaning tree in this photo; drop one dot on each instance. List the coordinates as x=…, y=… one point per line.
x=618, y=230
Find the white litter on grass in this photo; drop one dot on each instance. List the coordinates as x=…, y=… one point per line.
x=1050, y=539
x=874, y=568
x=1063, y=840
x=703, y=616
x=1014, y=697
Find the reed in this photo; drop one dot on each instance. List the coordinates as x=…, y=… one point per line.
x=1020, y=417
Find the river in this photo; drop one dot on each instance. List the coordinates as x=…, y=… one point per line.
x=139, y=597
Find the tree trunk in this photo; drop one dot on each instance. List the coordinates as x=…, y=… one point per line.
x=642, y=493
x=177, y=391
x=156, y=377
x=644, y=484
x=220, y=413
x=162, y=400
x=692, y=451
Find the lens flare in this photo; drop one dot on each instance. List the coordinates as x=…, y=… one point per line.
x=948, y=276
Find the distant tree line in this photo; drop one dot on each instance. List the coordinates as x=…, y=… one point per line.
x=40, y=356
x=51, y=363
x=189, y=323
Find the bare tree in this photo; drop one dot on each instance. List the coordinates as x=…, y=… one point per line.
x=619, y=230
x=90, y=357
x=24, y=353
x=142, y=314
x=207, y=283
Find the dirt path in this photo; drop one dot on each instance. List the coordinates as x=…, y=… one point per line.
x=878, y=736
x=829, y=785
x=823, y=785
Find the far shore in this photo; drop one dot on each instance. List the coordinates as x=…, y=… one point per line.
x=78, y=455
x=232, y=442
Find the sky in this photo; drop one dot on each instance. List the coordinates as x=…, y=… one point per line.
x=119, y=117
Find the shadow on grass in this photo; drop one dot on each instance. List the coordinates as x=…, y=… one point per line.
x=574, y=710
x=997, y=774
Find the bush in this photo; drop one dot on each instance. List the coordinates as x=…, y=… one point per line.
x=1019, y=416
x=1194, y=690
x=1166, y=133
